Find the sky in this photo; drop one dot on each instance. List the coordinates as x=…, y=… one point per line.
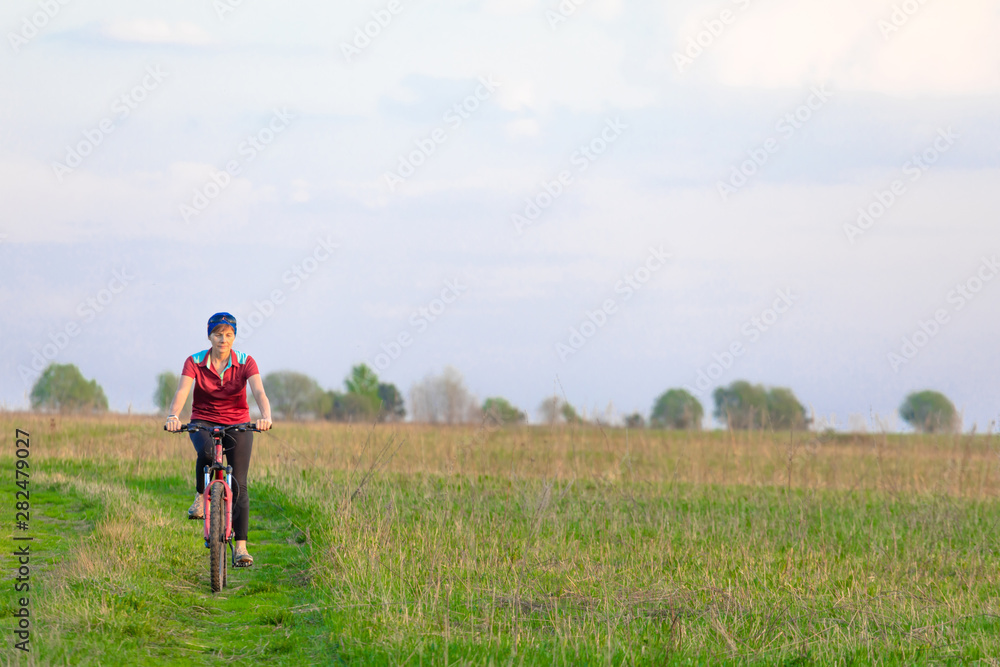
x=595, y=199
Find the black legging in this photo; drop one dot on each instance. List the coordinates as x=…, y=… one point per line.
x=238, y=447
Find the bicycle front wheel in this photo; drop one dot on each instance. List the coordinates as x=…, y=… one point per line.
x=217, y=547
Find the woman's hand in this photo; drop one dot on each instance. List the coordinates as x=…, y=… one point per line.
x=257, y=389
x=177, y=405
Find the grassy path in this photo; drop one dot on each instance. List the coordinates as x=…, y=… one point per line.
x=121, y=577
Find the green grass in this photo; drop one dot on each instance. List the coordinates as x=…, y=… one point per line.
x=532, y=547
x=618, y=573
x=120, y=577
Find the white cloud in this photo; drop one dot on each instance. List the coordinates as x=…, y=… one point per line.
x=607, y=9
x=946, y=48
x=942, y=48
x=508, y=7
x=522, y=127
x=580, y=66
x=300, y=191
x=156, y=31
x=516, y=94
x=136, y=205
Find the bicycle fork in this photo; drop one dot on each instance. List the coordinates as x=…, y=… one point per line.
x=227, y=494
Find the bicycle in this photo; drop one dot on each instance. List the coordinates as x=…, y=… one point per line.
x=218, y=495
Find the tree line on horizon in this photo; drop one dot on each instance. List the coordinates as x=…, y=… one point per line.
x=295, y=395
x=444, y=399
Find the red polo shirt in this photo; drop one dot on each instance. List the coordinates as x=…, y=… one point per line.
x=222, y=400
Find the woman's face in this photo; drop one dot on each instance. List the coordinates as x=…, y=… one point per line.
x=222, y=339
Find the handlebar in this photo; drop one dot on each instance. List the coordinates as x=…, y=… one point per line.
x=191, y=427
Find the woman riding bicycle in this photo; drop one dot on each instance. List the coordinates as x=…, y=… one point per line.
x=220, y=376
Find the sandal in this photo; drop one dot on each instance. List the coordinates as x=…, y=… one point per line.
x=241, y=558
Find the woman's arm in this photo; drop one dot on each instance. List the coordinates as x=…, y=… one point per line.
x=183, y=389
x=257, y=388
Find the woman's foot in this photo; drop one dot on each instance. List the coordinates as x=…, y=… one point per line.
x=240, y=556
x=197, y=509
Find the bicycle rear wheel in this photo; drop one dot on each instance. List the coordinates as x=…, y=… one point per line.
x=217, y=547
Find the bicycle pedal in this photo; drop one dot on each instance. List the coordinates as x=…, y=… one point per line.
x=247, y=563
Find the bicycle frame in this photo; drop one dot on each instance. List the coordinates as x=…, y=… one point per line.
x=217, y=470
